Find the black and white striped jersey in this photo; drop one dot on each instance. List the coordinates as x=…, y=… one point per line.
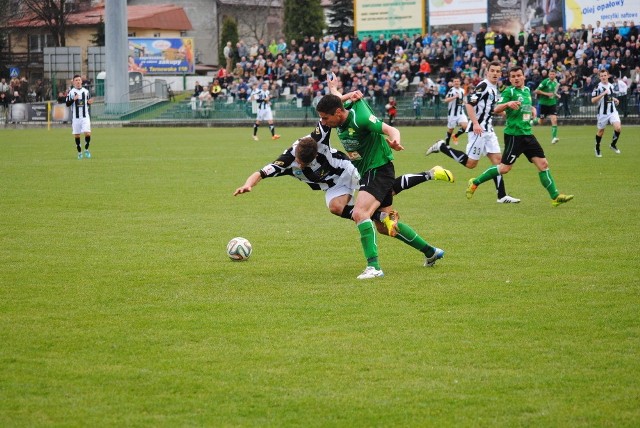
x=483, y=99
x=261, y=97
x=321, y=174
x=79, y=107
x=456, y=106
x=606, y=104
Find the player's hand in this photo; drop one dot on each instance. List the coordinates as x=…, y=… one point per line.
x=355, y=95
x=77, y=97
x=395, y=145
x=616, y=101
x=477, y=129
x=90, y=101
x=243, y=189
x=332, y=81
x=514, y=105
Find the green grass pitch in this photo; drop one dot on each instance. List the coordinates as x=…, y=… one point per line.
x=119, y=307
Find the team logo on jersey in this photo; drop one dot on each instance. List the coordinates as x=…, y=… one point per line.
x=354, y=156
x=279, y=163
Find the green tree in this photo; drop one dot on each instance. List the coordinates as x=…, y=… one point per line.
x=229, y=34
x=98, y=38
x=340, y=17
x=303, y=18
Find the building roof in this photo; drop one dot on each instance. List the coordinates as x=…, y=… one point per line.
x=159, y=17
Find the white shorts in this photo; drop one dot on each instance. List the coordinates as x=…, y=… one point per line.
x=480, y=145
x=605, y=119
x=80, y=126
x=265, y=114
x=348, y=183
x=454, y=121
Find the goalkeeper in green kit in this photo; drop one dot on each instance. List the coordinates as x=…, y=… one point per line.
x=368, y=143
x=515, y=101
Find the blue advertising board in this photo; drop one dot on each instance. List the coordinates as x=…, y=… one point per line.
x=161, y=55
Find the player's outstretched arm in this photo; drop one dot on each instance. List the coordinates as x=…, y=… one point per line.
x=252, y=180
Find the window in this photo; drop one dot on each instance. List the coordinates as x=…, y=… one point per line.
x=37, y=42
x=156, y=35
x=132, y=34
x=183, y=34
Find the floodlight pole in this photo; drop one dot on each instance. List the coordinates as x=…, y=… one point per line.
x=116, y=92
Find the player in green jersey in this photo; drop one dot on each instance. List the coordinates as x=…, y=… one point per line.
x=548, y=94
x=515, y=101
x=368, y=142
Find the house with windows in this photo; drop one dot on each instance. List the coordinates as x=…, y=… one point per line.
x=27, y=35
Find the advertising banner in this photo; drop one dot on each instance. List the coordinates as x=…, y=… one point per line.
x=606, y=11
x=161, y=55
x=511, y=15
x=454, y=12
x=374, y=17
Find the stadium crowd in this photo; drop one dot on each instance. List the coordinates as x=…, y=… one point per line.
x=386, y=67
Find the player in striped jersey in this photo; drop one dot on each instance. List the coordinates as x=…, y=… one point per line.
x=455, y=111
x=312, y=160
x=607, y=112
x=516, y=102
x=79, y=99
x=482, y=138
x=262, y=96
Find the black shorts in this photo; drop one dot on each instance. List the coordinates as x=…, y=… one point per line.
x=515, y=145
x=379, y=183
x=546, y=110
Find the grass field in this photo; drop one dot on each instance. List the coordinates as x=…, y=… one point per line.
x=119, y=307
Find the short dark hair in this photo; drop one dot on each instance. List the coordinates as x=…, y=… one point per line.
x=307, y=149
x=515, y=68
x=495, y=64
x=77, y=75
x=329, y=104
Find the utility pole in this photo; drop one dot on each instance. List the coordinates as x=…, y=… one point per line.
x=116, y=93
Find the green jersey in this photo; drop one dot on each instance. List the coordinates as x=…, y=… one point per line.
x=362, y=138
x=517, y=120
x=548, y=86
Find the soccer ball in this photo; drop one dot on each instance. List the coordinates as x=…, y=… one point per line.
x=239, y=249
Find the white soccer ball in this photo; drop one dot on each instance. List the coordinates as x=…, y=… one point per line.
x=239, y=249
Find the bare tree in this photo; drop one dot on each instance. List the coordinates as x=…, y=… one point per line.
x=51, y=14
x=255, y=16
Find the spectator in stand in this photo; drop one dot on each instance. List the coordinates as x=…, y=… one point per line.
x=4, y=100
x=16, y=98
x=215, y=89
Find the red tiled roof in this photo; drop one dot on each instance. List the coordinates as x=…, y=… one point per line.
x=160, y=17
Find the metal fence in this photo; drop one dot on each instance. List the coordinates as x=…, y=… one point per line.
x=153, y=102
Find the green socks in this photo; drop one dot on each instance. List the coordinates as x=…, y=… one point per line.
x=489, y=174
x=407, y=235
x=554, y=131
x=369, y=244
x=548, y=183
